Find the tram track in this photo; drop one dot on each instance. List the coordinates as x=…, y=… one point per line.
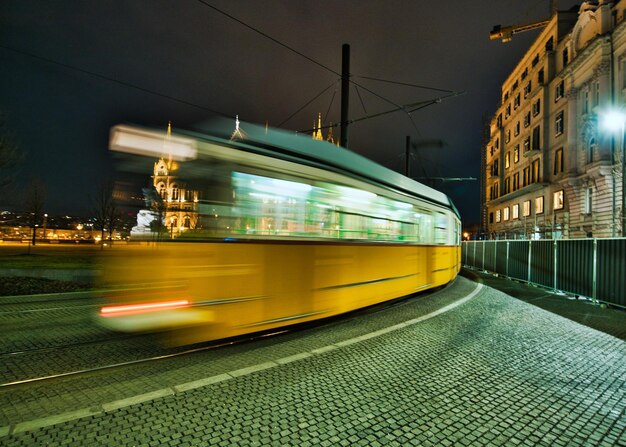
x=205, y=347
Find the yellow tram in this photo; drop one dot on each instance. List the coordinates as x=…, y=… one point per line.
x=284, y=230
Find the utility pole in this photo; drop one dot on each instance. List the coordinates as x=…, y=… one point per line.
x=345, y=93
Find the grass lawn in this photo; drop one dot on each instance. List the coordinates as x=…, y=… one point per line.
x=51, y=256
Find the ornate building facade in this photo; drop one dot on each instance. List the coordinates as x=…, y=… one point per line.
x=179, y=210
x=552, y=168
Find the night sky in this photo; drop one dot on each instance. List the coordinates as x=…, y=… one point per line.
x=61, y=117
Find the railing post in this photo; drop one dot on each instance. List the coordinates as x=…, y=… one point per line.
x=474, y=258
x=530, y=251
x=594, y=292
x=483, y=256
x=495, y=256
x=508, y=243
x=556, y=253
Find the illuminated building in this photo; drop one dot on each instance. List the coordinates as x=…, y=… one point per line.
x=317, y=131
x=179, y=211
x=552, y=170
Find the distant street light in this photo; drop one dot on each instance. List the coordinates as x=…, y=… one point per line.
x=614, y=120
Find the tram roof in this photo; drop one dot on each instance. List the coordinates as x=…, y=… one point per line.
x=304, y=148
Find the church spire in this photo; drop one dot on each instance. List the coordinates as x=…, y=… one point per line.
x=317, y=129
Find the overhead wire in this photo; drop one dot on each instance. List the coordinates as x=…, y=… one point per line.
x=114, y=80
x=299, y=53
x=308, y=102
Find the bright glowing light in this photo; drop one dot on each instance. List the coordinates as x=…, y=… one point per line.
x=613, y=120
x=357, y=195
x=151, y=143
x=402, y=205
x=131, y=309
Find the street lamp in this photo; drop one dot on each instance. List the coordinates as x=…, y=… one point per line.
x=614, y=120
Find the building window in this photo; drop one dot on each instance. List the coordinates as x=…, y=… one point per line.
x=175, y=192
x=161, y=189
x=516, y=211
x=535, y=60
x=559, y=123
x=596, y=93
x=498, y=216
x=526, y=208
x=507, y=112
x=516, y=181
x=537, y=107
x=516, y=131
x=557, y=200
x=526, y=144
x=515, y=85
x=527, y=119
x=516, y=154
x=559, y=91
x=508, y=136
x=565, y=57
x=539, y=205
x=187, y=222
x=537, y=138
x=591, y=148
x=507, y=160
x=507, y=185
x=540, y=77
x=587, y=206
x=558, y=161
x=527, y=89
x=499, y=121
x=506, y=96
x=494, y=168
x=535, y=172
x=506, y=213
x=490, y=218
x=497, y=145
x=525, y=73
x=516, y=101
x=585, y=100
x=526, y=179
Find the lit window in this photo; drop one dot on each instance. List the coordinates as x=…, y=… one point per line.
x=507, y=160
x=526, y=144
x=508, y=136
x=516, y=211
x=558, y=161
x=527, y=119
x=557, y=200
x=506, y=213
x=535, y=171
x=526, y=208
x=516, y=132
x=558, y=123
x=539, y=205
x=498, y=216
x=516, y=154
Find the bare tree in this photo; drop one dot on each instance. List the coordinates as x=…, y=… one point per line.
x=9, y=158
x=106, y=212
x=34, y=202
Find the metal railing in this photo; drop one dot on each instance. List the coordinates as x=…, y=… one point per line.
x=593, y=268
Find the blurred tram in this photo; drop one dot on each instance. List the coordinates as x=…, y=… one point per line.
x=285, y=230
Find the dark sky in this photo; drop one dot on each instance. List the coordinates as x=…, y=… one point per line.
x=181, y=48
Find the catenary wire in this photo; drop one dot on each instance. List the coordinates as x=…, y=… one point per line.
x=308, y=102
x=114, y=80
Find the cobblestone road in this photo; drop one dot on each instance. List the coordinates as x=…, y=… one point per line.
x=493, y=371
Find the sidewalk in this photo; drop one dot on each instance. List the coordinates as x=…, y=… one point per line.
x=600, y=317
